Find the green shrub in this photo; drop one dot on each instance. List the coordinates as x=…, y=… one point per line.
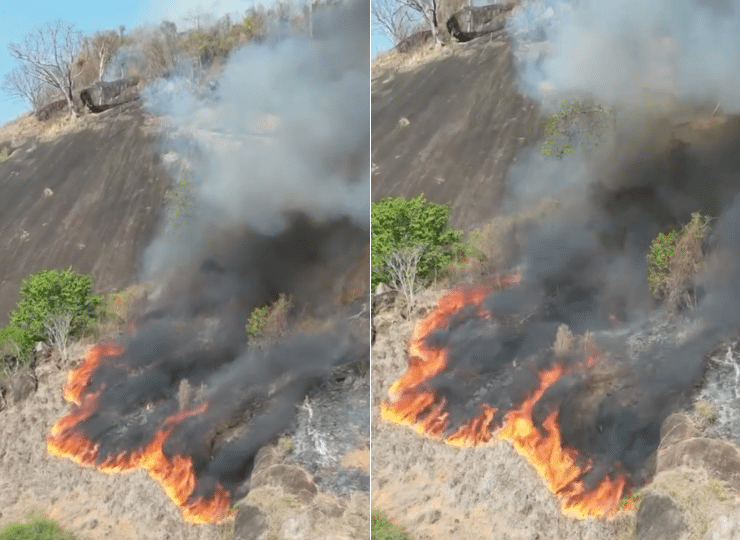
x=381, y=528
x=398, y=223
x=180, y=198
x=659, y=259
x=4, y=155
x=576, y=123
x=675, y=258
x=257, y=322
x=45, y=294
x=268, y=322
x=39, y=528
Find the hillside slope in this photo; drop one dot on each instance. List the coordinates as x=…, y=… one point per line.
x=89, y=199
x=450, y=128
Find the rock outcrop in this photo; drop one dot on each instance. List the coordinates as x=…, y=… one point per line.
x=104, y=95
x=53, y=108
x=472, y=22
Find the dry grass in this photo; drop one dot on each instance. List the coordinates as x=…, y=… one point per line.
x=564, y=340
x=392, y=61
x=494, y=245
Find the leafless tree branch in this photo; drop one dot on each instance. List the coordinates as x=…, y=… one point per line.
x=391, y=18
x=50, y=54
x=21, y=83
x=403, y=266
x=56, y=330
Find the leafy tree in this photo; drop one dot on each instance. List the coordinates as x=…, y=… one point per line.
x=399, y=223
x=48, y=294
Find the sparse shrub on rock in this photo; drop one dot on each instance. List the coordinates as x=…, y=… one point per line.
x=577, y=123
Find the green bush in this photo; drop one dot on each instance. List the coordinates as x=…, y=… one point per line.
x=43, y=295
x=266, y=323
x=576, y=123
x=381, y=528
x=399, y=223
x=257, y=322
x=675, y=258
x=659, y=259
x=39, y=528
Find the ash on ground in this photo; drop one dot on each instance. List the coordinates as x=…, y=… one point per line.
x=721, y=390
x=334, y=421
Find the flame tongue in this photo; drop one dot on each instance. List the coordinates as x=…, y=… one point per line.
x=414, y=403
x=176, y=474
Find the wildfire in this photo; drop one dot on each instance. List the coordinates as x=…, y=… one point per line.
x=176, y=474
x=414, y=404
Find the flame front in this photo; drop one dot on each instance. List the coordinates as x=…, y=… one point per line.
x=414, y=404
x=176, y=474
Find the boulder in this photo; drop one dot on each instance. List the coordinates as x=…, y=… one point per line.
x=721, y=459
x=413, y=41
x=658, y=518
x=472, y=22
x=292, y=479
x=676, y=428
x=52, y=109
x=18, y=386
x=104, y=95
x=250, y=524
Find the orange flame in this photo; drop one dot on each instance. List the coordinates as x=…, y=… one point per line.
x=78, y=379
x=176, y=475
x=414, y=405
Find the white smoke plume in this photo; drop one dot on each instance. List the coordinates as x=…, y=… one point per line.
x=628, y=51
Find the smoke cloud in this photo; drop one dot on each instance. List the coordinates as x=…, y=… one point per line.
x=274, y=178
x=627, y=51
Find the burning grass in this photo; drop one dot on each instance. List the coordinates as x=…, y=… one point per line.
x=175, y=473
x=417, y=402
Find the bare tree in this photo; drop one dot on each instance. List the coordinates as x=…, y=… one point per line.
x=101, y=48
x=21, y=83
x=51, y=55
x=391, y=18
x=427, y=9
x=403, y=266
x=56, y=330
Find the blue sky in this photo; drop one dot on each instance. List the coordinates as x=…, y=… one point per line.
x=379, y=43
x=20, y=17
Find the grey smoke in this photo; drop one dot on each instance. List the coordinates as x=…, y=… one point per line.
x=628, y=51
x=285, y=131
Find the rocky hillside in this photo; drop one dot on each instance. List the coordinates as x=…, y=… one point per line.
x=89, y=196
x=450, y=125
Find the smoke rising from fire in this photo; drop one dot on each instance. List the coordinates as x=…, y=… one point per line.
x=628, y=51
x=276, y=167
x=286, y=130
